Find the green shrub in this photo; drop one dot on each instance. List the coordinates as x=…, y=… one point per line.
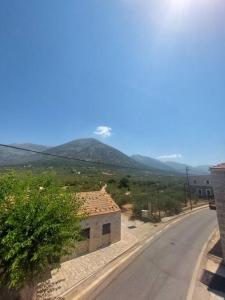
x=124, y=183
x=39, y=223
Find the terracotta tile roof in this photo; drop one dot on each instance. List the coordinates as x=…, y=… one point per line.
x=96, y=203
x=219, y=166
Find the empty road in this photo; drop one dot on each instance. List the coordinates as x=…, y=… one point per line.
x=164, y=269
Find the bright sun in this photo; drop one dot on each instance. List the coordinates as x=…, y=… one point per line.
x=179, y=6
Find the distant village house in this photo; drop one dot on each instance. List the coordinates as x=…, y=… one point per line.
x=201, y=186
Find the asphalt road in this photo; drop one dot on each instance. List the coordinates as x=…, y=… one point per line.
x=163, y=270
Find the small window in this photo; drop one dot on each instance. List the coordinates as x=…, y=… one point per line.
x=195, y=181
x=200, y=192
x=207, y=181
x=106, y=228
x=208, y=193
x=85, y=233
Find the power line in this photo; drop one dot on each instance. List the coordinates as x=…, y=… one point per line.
x=70, y=158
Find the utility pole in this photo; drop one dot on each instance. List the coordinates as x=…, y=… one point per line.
x=185, y=194
x=150, y=208
x=188, y=186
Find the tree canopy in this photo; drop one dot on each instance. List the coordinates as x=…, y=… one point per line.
x=39, y=223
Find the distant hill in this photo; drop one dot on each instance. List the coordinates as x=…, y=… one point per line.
x=203, y=168
x=192, y=170
x=10, y=156
x=170, y=166
x=90, y=150
x=153, y=163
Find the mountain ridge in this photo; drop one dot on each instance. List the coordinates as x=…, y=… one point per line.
x=153, y=163
x=93, y=150
x=10, y=156
x=181, y=167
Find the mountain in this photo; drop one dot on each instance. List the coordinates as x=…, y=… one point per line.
x=153, y=163
x=170, y=166
x=93, y=150
x=10, y=156
x=179, y=167
x=203, y=168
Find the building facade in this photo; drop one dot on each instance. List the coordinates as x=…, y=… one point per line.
x=102, y=226
x=201, y=186
x=218, y=181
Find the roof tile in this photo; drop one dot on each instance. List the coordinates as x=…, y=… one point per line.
x=96, y=203
x=219, y=166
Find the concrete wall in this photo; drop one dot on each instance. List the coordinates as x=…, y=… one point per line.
x=201, y=183
x=201, y=180
x=206, y=192
x=95, y=223
x=97, y=240
x=218, y=178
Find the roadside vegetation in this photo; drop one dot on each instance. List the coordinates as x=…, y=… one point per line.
x=39, y=224
x=162, y=196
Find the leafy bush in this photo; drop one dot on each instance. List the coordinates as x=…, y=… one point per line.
x=111, y=180
x=39, y=223
x=124, y=183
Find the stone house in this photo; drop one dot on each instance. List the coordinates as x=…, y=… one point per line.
x=218, y=180
x=102, y=226
x=201, y=186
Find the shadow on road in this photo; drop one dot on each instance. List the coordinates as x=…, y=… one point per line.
x=215, y=281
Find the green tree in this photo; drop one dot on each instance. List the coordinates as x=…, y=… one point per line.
x=124, y=183
x=39, y=223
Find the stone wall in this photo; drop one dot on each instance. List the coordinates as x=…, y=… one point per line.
x=218, y=179
x=97, y=239
x=201, y=186
x=202, y=191
x=95, y=223
x=201, y=180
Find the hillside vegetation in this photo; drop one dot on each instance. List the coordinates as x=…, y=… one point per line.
x=143, y=182
x=9, y=156
x=89, y=150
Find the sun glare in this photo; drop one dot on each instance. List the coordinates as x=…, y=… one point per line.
x=179, y=5
x=178, y=14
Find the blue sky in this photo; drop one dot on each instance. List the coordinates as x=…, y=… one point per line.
x=151, y=71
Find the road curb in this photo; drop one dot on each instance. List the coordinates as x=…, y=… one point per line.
x=187, y=213
x=78, y=291
x=197, y=267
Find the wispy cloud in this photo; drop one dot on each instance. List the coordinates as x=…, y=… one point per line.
x=170, y=156
x=103, y=131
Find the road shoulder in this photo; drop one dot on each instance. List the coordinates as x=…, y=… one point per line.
x=209, y=269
